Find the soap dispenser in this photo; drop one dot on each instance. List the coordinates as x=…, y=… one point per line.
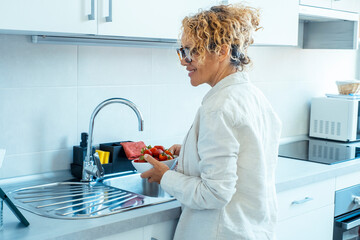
x=79, y=154
x=80, y=151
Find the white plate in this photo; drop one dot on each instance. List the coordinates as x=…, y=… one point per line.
x=145, y=166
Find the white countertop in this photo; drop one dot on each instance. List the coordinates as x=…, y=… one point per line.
x=290, y=174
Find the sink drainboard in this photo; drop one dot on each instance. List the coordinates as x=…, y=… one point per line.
x=76, y=200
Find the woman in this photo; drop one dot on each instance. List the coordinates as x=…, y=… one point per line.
x=225, y=179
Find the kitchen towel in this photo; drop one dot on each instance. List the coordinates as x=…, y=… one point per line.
x=133, y=149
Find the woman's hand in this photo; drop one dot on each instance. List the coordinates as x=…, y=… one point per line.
x=175, y=149
x=155, y=174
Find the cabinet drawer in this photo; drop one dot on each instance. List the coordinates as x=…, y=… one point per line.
x=161, y=231
x=304, y=199
x=303, y=227
x=135, y=234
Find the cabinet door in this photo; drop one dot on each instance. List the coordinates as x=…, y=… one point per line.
x=160, y=231
x=303, y=199
x=317, y=3
x=47, y=16
x=146, y=19
x=135, y=234
x=346, y=5
x=317, y=224
x=280, y=24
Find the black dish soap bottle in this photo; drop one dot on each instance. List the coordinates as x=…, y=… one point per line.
x=79, y=154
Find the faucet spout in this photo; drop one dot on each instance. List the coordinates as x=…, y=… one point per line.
x=90, y=167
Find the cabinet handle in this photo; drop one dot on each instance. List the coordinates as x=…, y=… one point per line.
x=307, y=199
x=109, y=18
x=92, y=15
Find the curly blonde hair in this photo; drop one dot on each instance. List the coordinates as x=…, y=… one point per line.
x=230, y=25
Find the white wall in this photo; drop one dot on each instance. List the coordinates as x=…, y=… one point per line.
x=47, y=94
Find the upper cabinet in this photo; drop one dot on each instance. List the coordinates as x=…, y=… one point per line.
x=342, y=5
x=307, y=23
x=329, y=24
x=140, y=19
x=317, y=3
x=279, y=24
x=146, y=19
x=165, y=21
x=346, y=5
x=49, y=16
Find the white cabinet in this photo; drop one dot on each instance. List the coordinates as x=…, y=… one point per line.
x=342, y=5
x=317, y=3
x=142, y=19
x=147, y=19
x=157, y=19
x=346, y=5
x=316, y=224
x=276, y=30
x=135, y=234
x=50, y=16
x=305, y=208
x=159, y=231
x=331, y=24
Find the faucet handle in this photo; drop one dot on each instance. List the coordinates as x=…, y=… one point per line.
x=100, y=170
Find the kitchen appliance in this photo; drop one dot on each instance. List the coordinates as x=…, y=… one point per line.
x=320, y=151
x=347, y=214
x=336, y=117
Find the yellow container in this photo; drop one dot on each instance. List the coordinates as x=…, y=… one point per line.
x=104, y=156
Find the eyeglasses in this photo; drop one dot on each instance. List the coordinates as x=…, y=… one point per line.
x=184, y=53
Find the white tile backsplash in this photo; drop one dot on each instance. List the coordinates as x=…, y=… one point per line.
x=171, y=113
x=166, y=67
x=33, y=163
x=37, y=119
x=103, y=66
x=295, y=64
x=292, y=107
x=115, y=122
x=23, y=64
x=48, y=92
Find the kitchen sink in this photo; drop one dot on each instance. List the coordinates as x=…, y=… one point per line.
x=136, y=184
x=79, y=200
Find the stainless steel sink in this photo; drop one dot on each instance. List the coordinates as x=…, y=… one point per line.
x=78, y=200
x=136, y=184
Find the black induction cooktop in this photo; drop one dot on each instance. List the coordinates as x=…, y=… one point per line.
x=320, y=151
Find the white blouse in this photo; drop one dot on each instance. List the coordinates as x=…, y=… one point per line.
x=225, y=179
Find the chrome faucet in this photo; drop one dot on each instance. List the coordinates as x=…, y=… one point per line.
x=92, y=166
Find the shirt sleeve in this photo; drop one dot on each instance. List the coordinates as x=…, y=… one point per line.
x=218, y=150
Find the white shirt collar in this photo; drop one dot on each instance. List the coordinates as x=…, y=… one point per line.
x=235, y=78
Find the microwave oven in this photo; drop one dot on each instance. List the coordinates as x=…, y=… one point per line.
x=335, y=119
